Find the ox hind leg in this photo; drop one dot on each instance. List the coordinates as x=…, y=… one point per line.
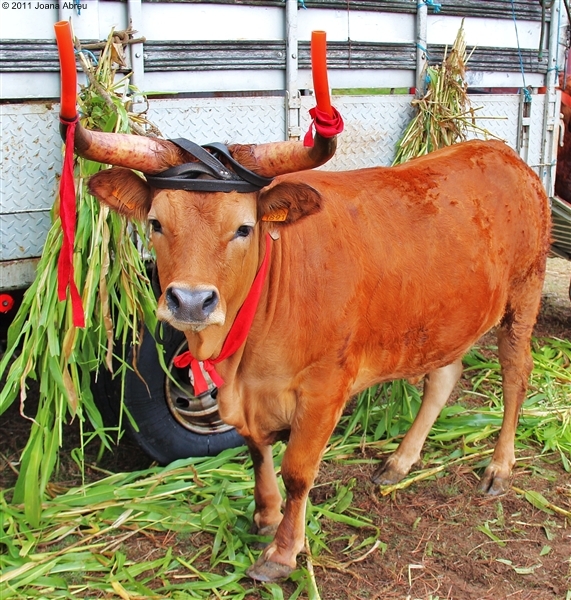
x=514, y=353
x=438, y=386
x=312, y=427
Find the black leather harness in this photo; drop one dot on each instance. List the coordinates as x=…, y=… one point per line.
x=224, y=179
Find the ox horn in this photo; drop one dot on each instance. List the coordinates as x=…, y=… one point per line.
x=153, y=155
x=147, y=154
x=277, y=158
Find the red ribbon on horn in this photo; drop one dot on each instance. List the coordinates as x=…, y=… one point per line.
x=67, y=212
x=325, y=118
x=236, y=336
x=67, y=208
x=325, y=125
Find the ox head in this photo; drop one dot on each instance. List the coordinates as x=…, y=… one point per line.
x=208, y=244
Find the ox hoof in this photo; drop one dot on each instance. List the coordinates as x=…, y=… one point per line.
x=493, y=484
x=267, y=570
x=267, y=531
x=387, y=474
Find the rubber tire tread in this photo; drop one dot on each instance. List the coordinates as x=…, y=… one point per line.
x=159, y=434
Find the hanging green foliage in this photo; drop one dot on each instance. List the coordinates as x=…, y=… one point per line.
x=444, y=116
x=117, y=298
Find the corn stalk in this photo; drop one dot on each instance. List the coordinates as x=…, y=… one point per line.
x=43, y=344
x=444, y=115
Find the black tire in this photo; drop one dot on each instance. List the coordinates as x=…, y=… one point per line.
x=158, y=406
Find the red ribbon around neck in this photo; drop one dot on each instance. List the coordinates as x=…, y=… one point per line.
x=236, y=336
x=67, y=218
x=326, y=126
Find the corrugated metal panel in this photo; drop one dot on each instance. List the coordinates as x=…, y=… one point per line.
x=209, y=56
x=363, y=55
x=28, y=55
x=502, y=9
x=32, y=148
x=496, y=59
x=41, y=55
x=498, y=115
x=206, y=56
x=31, y=163
x=277, y=3
x=561, y=232
x=229, y=120
x=373, y=125
x=23, y=234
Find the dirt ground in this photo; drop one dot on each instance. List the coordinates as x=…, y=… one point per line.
x=436, y=547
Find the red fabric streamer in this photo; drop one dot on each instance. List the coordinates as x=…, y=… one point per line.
x=325, y=125
x=236, y=336
x=67, y=218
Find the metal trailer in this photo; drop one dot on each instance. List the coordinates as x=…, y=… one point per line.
x=239, y=71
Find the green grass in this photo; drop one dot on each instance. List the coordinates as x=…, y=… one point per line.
x=198, y=511
x=43, y=343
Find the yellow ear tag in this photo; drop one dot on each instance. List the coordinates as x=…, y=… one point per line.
x=279, y=214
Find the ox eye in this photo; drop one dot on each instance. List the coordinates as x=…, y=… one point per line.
x=155, y=226
x=244, y=231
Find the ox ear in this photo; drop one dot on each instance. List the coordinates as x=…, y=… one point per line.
x=123, y=191
x=287, y=202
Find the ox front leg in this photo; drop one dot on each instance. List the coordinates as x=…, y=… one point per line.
x=438, y=386
x=300, y=464
x=267, y=497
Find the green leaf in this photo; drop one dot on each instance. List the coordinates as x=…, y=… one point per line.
x=545, y=551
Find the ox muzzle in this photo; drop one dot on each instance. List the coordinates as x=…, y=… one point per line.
x=194, y=306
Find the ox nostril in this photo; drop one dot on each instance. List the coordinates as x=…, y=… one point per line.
x=191, y=305
x=210, y=301
x=172, y=299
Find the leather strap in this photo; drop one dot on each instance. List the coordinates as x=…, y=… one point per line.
x=187, y=176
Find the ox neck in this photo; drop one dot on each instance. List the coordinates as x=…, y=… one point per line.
x=236, y=336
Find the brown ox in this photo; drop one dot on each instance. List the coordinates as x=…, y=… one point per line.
x=377, y=274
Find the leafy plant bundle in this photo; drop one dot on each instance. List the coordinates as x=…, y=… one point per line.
x=43, y=343
x=444, y=116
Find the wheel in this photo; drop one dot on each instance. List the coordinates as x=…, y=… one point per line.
x=171, y=423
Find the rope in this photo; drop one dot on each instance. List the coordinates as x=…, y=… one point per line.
x=526, y=92
x=436, y=6
x=89, y=53
x=425, y=50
